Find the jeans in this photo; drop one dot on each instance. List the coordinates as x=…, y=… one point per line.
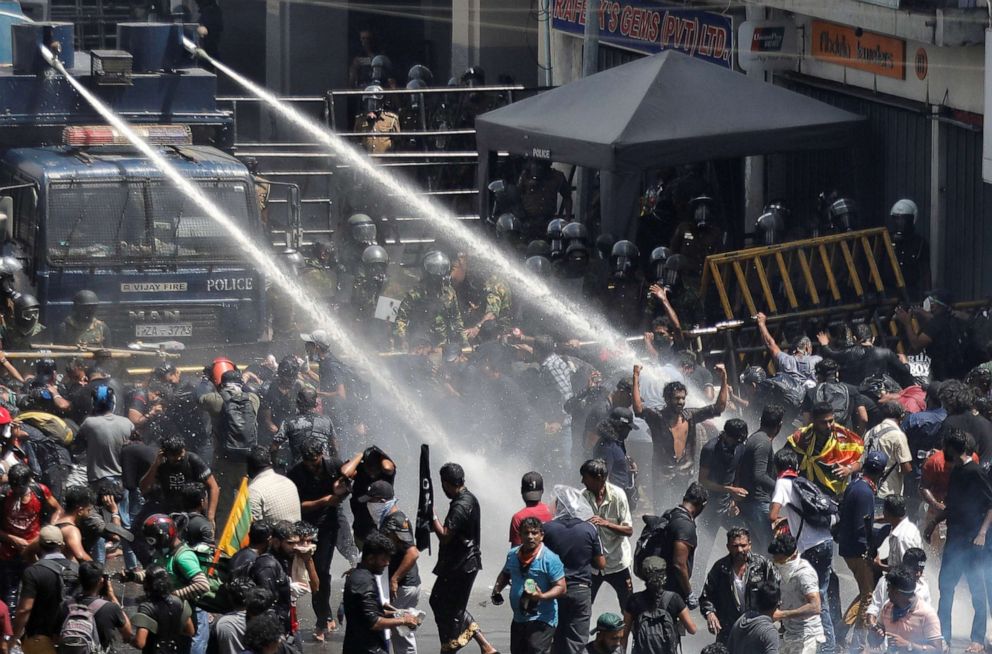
x=754, y=513
x=202, y=636
x=621, y=582
x=574, y=613
x=962, y=558
x=99, y=553
x=821, y=557
x=10, y=581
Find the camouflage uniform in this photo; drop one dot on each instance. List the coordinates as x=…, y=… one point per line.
x=365, y=291
x=385, y=123
x=435, y=313
x=16, y=341
x=96, y=333
x=498, y=300
x=319, y=279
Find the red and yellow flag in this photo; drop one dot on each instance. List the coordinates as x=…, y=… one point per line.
x=844, y=447
x=235, y=534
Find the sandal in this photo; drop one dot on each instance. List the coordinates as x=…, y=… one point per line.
x=974, y=648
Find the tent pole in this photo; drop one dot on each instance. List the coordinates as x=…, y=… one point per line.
x=548, y=79
x=590, y=63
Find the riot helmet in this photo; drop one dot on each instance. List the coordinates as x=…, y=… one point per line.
x=768, y=228
x=843, y=215
x=671, y=271
x=292, y=259
x=103, y=398
x=381, y=68
x=474, y=76
x=538, y=265
x=27, y=311
x=9, y=266
x=84, y=305
x=159, y=532
x=375, y=261
x=508, y=228
x=703, y=210
x=420, y=72
x=361, y=228
x=372, y=99
x=217, y=369
x=902, y=218
x=604, y=245
x=538, y=248
x=555, y=238
x=623, y=258
x=324, y=252
x=753, y=375
x=437, y=267
x=575, y=232
x=414, y=99
x=657, y=262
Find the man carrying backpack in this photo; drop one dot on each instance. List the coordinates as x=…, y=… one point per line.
x=44, y=586
x=846, y=402
x=92, y=621
x=651, y=617
x=794, y=503
x=308, y=422
x=234, y=411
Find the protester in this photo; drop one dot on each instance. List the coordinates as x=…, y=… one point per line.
x=908, y=623
x=271, y=496
x=646, y=614
x=915, y=560
x=35, y=623
x=756, y=475
x=888, y=437
x=903, y=535
x=800, y=611
x=96, y=596
x=611, y=515
x=754, y=632
x=608, y=635
x=531, y=491
x=164, y=621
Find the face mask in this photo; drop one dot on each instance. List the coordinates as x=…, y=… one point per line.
x=927, y=305
x=379, y=509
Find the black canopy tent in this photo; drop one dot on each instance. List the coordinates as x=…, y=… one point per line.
x=657, y=111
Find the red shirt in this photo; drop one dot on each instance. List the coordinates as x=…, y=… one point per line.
x=539, y=511
x=21, y=517
x=936, y=475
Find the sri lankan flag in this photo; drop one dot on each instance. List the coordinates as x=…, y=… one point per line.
x=843, y=447
x=235, y=534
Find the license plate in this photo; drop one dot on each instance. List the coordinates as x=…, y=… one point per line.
x=160, y=331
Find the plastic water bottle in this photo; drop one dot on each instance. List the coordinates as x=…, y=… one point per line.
x=528, y=603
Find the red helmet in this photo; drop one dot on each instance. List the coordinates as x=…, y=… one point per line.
x=159, y=531
x=219, y=367
x=5, y=418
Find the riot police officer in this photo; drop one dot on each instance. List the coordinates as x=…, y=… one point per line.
x=556, y=238
x=369, y=282
x=912, y=250
x=624, y=290
x=422, y=73
x=431, y=307
x=698, y=238
x=484, y=298
x=375, y=119
x=509, y=232
x=540, y=186
x=770, y=226
x=682, y=295
x=361, y=233
x=82, y=327
x=319, y=271
x=19, y=333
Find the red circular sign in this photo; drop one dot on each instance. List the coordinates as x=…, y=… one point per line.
x=921, y=63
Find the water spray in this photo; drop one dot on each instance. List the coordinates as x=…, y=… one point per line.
x=427, y=428
x=593, y=327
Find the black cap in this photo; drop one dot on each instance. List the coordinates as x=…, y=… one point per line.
x=624, y=416
x=379, y=490
x=532, y=486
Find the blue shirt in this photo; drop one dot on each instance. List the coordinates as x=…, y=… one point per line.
x=546, y=569
x=576, y=543
x=858, y=502
x=612, y=452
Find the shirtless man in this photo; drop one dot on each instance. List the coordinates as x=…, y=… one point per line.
x=677, y=433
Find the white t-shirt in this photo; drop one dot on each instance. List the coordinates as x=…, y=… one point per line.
x=810, y=536
x=799, y=580
x=903, y=536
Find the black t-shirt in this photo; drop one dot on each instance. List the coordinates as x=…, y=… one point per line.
x=720, y=460
x=172, y=477
x=136, y=459
x=362, y=609
x=109, y=618
x=947, y=360
x=681, y=527
x=313, y=487
x=396, y=524
x=464, y=522
x=270, y=572
x=241, y=560
x=44, y=584
x=969, y=497
x=198, y=530
x=979, y=428
x=597, y=413
x=756, y=469
x=281, y=405
x=164, y=620
x=359, y=486
x=576, y=542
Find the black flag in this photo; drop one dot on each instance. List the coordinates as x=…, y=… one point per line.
x=425, y=504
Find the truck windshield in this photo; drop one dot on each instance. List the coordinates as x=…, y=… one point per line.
x=141, y=220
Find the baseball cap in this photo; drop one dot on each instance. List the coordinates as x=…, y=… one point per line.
x=653, y=565
x=532, y=486
x=875, y=461
x=51, y=535
x=318, y=336
x=379, y=490
x=624, y=416
x=608, y=622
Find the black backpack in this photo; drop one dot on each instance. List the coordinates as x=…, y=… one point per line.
x=837, y=396
x=238, y=423
x=654, y=630
x=653, y=541
x=68, y=575
x=817, y=508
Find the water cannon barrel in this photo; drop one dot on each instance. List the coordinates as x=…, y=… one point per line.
x=28, y=39
x=156, y=47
